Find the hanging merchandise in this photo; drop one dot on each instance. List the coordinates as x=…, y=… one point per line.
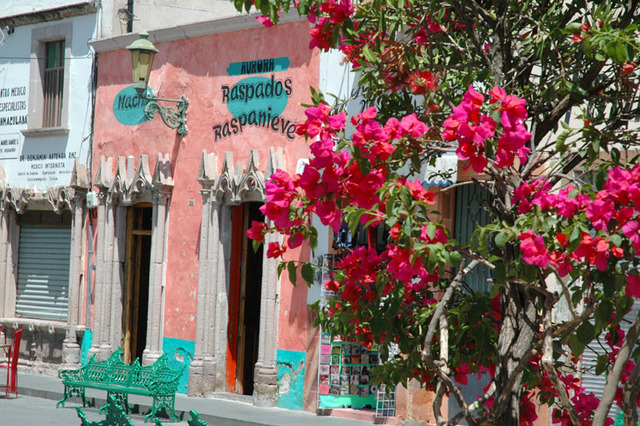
x=345, y=374
x=344, y=371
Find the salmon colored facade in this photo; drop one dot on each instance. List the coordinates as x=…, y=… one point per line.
x=179, y=207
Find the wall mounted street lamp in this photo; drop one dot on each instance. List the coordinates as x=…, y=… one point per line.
x=142, y=54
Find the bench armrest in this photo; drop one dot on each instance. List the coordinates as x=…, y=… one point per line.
x=76, y=375
x=167, y=384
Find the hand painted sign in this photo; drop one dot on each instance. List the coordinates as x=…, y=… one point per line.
x=128, y=107
x=257, y=101
x=258, y=67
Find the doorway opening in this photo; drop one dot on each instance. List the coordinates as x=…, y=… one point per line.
x=136, y=283
x=245, y=285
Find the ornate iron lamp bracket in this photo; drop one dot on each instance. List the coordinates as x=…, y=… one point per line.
x=173, y=118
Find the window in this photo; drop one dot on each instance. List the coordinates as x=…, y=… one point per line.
x=53, y=83
x=49, y=81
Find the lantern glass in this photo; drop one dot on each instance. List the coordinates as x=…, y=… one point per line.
x=142, y=54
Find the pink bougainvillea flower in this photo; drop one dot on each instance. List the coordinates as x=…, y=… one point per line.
x=410, y=125
x=600, y=212
x=274, y=250
x=256, y=232
x=633, y=286
x=533, y=249
x=295, y=240
x=265, y=20
x=497, y=94
x=329, y=214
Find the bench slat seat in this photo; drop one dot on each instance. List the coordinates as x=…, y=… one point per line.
x=119, y=379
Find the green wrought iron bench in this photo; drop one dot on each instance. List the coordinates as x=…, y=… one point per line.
x=120, y=380
x=620, y=420
x=115, y=416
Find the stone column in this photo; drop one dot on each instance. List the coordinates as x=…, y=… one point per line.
x=105, y=348
x=98, y=324
x=5, y=262
x=9, y=235
x=70, y=346
x=117, y=275
x=202, y=312
x=266, y=375
x=153, y=348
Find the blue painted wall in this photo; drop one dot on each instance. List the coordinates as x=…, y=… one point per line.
x=179, y=353
x=85, y=346
x=291, y=370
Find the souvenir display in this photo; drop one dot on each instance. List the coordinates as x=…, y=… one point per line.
x=346, y=380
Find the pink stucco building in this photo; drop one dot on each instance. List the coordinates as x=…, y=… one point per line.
x=174, y=270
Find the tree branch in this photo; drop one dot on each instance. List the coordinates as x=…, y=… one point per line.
x=613, y=378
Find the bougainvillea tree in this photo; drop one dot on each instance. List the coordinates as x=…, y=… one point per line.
x=539, y=98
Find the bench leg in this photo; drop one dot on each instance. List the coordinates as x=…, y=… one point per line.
x=122, y=399
x=64, y=398
x=70, y=391
x=160, y=402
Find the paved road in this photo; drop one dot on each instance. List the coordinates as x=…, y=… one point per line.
x=30, y=411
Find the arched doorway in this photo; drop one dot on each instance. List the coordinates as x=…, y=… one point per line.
x=136, y=281
x=245, y=285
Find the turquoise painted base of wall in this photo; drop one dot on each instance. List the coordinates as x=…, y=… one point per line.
x=179, y=352
x=291, y=370
x=85, y=346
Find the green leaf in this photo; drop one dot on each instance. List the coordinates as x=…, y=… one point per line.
x=603, y=313
x=455, y=258
x=500, y=273
x=501, y=240
x=281, y=267
x=620, y=53
x=601, y=364
x=616, y=239
x=577, y=347
x=586, y=332
x=292, y=270
x=431, y=230
x=308, y=273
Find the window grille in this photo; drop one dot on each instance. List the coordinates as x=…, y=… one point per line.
x=53, y=83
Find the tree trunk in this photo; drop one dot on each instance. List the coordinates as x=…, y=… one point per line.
x=514, y=350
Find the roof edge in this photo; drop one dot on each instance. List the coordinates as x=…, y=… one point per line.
x=188, y=31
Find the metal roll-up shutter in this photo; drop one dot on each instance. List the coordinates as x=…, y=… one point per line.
x=591, y=381
x=43, y=272
x=471, y=213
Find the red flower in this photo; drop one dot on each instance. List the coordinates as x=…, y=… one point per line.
x=256, y=232
x=275, y=250
x=421, y=82
x=562, y=239
x=633, y=286
x=628, y=67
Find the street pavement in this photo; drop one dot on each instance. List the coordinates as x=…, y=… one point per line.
x=30, y=411
x=38, y=394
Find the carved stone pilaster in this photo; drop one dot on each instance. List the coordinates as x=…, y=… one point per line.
x=162, y=184
x=233, y=185
x=74, y=198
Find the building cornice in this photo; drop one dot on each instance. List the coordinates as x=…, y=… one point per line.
x=188, y=31
x=48, y=15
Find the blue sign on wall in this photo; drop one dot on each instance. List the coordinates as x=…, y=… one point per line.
x=258, y=99
x=128, y=107
x=259, y=66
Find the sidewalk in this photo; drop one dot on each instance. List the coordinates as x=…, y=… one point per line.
x=214, y=411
